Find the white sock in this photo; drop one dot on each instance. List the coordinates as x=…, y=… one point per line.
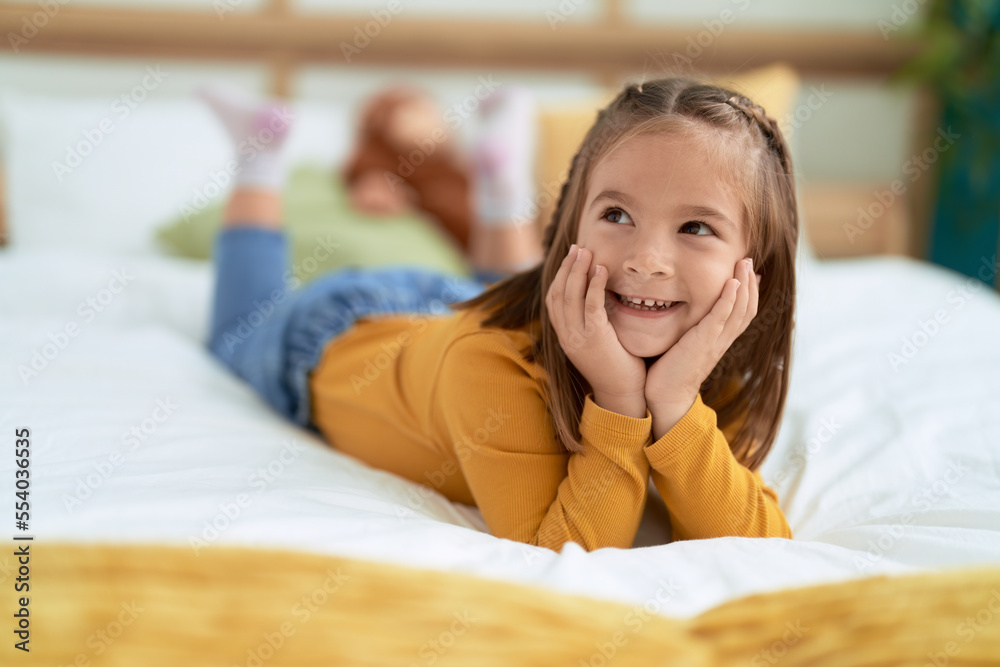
x=258, y=130
x=503, y=156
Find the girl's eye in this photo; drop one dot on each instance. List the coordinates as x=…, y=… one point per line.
x=697, y=222
x=617, y=215
x=614, y=215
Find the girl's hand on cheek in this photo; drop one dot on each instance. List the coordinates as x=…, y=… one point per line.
x=674, y=380
x=575, y=304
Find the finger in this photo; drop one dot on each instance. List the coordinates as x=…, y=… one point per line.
x=734, y=323
x=716, y=319
x=576, y=291
x=753, y=294
x=595, y=312
x=754, y=301
x=556, y=304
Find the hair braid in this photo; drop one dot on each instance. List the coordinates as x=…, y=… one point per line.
x=769, y=128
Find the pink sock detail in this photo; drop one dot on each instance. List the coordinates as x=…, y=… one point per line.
x=258, y=130
x=272, y=117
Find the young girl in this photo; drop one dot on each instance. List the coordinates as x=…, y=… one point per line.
x=548, y=398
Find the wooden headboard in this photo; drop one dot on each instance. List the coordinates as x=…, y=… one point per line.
x=609, y=49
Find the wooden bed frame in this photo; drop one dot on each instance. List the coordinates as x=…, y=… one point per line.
x=610, y=49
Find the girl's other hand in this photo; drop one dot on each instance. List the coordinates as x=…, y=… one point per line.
x=575, y=302
x=674, y=380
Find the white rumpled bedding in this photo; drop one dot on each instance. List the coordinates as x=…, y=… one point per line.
x=883, y=464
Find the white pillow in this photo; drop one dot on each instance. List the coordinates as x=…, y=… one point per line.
x=92, y=173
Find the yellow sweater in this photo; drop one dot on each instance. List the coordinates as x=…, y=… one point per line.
x=440, y=400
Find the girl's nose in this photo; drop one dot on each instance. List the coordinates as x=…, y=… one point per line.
x=650, y=260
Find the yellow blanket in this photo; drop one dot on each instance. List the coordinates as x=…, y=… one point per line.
x=147, y=606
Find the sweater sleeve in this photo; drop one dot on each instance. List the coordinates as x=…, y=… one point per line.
x=527, y=486
x=708, y=493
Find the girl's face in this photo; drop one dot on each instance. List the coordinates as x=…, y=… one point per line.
x=658, y=215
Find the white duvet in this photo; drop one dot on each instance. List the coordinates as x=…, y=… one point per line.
x=888, y=459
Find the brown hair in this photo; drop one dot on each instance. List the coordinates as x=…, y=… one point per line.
x=749, y=385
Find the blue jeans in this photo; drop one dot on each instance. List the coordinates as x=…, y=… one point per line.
x=273, y=335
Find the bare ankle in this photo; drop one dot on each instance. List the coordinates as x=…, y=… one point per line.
x=254, y=207
x=504, y=247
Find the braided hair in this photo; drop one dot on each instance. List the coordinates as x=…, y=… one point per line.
x=748, y=387
x=767, y=125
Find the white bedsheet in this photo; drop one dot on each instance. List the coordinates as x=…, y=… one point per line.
x=880, y=469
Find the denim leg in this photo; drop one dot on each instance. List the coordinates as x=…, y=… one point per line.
x=250, y=308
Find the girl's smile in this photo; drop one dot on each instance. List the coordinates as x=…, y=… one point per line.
x=617, y=302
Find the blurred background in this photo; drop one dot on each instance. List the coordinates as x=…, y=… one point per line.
x=892, y=118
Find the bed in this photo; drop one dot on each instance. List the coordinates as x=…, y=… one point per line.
x=155, y=472
x=138, y=436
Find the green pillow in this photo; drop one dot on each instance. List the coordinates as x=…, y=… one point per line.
x=326, y=234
